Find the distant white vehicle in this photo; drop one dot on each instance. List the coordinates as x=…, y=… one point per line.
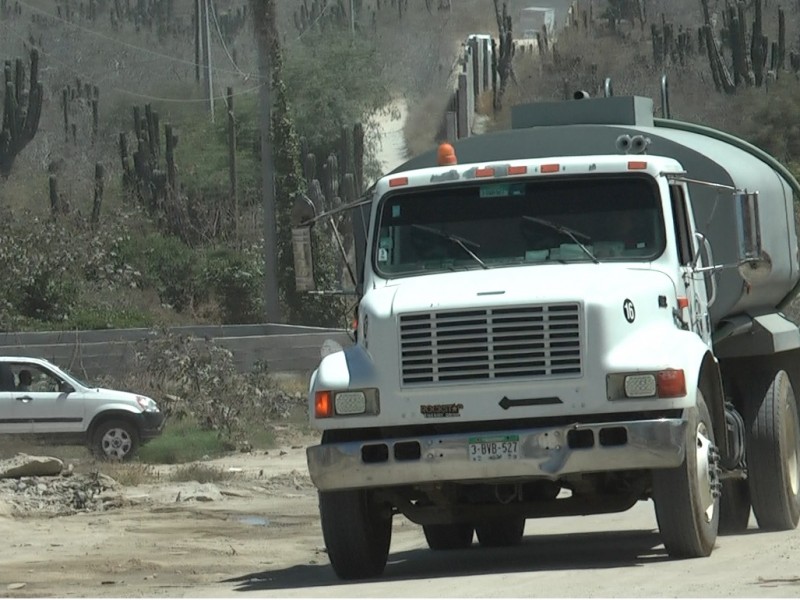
x=39, y=399
x=533, y=20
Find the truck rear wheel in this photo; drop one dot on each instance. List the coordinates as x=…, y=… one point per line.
x=734, y=506
x=494, y=534
x=357, y=532
x=773, y=448
x=686, y=498
x=452, y=536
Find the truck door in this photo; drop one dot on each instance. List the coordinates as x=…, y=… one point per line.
x=699, y=288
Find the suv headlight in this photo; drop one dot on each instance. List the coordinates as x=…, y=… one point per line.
x=147, y=404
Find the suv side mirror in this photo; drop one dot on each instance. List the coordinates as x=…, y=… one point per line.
x=65, y=388
x=754, y=264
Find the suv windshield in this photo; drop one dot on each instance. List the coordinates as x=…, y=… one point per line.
x=485, y=225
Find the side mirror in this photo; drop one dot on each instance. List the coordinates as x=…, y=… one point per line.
x=65, y=388
x=303, y=215
x=754, y=264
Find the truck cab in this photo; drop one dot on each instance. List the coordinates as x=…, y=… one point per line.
x=537, y=337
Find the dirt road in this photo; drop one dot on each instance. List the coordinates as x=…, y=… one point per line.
x=258, y=534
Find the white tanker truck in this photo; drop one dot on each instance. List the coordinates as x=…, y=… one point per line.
x=566, y=318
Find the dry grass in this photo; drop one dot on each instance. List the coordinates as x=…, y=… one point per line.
x=130, y=474
x=200, y=472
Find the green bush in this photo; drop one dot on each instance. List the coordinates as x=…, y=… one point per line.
x=235, y=279
x=183, y=442
x=166, y=264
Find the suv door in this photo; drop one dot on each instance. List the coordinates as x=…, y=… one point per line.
x=53, y=408
x=14, y=414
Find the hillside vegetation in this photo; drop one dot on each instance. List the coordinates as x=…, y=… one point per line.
x=87, y=243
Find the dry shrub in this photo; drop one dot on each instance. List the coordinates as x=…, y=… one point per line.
x=131, y=474
x=195, y=380
x=201, y=473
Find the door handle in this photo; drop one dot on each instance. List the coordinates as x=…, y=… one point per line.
x=24, y=399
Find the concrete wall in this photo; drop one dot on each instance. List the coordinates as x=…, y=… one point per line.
x=284, y=348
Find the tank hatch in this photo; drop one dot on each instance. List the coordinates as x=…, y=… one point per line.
x=614, y=110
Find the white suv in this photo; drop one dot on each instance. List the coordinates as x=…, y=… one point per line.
x=39, y=399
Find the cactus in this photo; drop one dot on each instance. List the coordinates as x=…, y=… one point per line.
x=154, y=186
x=504, y=66
x=21, y=111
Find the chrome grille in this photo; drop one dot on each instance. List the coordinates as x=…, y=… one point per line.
x=495, y=343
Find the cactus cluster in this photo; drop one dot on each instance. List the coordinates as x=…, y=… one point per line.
x=21, y=110
x=9, y=10
x=670, y=47
x=321, y=15
x=80, y=104
x=754, y=60
x=153, y=186
x=152, y=15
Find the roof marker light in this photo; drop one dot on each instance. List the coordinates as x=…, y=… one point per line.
x=446, y=155
x=517, y=170
x=552, y=168
x=484, y=172
x=398, y=181
x=635, y=165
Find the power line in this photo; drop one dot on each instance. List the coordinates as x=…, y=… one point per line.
x=127, y=44
x=120, y=89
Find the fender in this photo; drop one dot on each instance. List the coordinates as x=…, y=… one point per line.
x=677, y=349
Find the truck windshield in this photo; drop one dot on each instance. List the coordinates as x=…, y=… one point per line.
x=558, y=220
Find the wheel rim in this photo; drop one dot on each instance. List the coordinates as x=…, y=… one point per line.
x=116, y=443
x=792, y=438
x=705, y=465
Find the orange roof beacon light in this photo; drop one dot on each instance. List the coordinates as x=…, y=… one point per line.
x=446, y=155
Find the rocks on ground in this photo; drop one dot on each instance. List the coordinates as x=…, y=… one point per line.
x=40, y=485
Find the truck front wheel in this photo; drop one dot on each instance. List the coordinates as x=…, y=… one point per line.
x=451, y=536
x=507, y=532
x=686, y=497
x=357, y=532
x=773, y=447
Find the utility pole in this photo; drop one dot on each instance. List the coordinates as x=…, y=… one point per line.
x=197, y=43
x=207, y=4
x=266, y=37
x=352, y=19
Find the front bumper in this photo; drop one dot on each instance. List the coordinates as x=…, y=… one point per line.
x=547, y=452
x=152, y=424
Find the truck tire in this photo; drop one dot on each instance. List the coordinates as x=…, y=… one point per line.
x=452, y=536
x=114, y=440
x=357, y=532
x=734, y=506
x=495, y=534
x=686, y=498
x=773, y=449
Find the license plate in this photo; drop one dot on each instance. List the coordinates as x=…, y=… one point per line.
x=502, y=447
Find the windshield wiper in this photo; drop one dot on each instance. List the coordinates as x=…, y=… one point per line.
x=459, y=241
x=572, y=233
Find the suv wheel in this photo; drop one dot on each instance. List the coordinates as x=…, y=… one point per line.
x=115, y=440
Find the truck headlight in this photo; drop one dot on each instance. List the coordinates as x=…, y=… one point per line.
x=346, y=403
x=640, y=386
x=667, y=383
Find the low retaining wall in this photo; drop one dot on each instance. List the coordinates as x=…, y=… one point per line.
x=284, y=348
